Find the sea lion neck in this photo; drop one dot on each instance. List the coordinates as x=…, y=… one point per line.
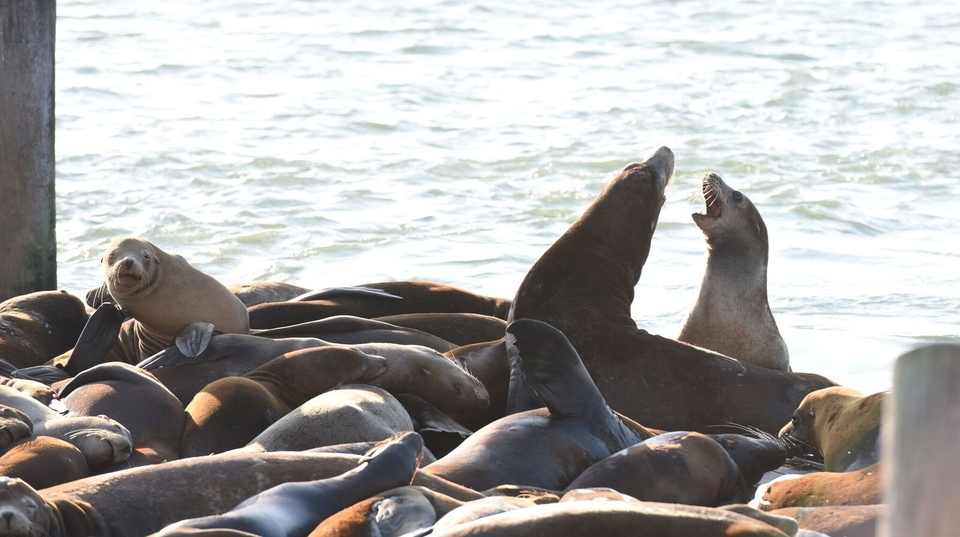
x=607, y=247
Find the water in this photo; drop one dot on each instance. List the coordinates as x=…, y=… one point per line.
x=335, y=143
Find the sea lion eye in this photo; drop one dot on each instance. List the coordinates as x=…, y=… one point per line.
x=795, y=419
x=737, y=196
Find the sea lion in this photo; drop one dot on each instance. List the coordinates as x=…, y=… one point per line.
x=260, y=292
x=846, y=520
x=731, y=314
x=754, y=456
x=231, y=411
x=488, y=362
x=102, y=440
x=43, y=461
x=547, y=447
x=478, y=509
x=584, y=286
x=297, y=508
x=37, y=327
x=134, y=398
x=856, y=487
x=352, y=330
x=397, y=511
x=33, y=388
x=162, y=293
x=205, y=486
x=599, y=494
x=649, y=519
x=457, y=328
x=417, y=297
x=23, y=511
x=226, y=355
x=350, y=413
x=676, y=467
x=14, y=425
x=237, y=354
x=841, y=424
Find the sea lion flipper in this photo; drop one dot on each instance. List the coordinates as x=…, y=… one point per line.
x=194, y=338
x=553, y=369
x=99, y=335
x=340, y=292
x=46, y=374
x=426, y=417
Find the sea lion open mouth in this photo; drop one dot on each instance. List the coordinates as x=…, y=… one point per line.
x=711, y=194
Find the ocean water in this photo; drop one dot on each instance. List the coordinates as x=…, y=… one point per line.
x=332, y=143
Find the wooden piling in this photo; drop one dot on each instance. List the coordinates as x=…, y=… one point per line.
x=28, y=245
x=921, y=438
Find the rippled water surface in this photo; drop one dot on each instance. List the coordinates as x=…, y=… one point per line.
x=334, y=143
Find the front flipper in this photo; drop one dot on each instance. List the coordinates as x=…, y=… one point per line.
x=99, y=335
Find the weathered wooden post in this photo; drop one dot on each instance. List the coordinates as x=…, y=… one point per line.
x=921, y=437
x=28, y=244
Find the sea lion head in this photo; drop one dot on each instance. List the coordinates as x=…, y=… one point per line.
x=729, y=214
x=754, y=456
x=130, y=267
x=444, y=382
x=14, y=425
x=22, y=510
x=104, y=442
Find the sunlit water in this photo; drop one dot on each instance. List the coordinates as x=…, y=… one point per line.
x=336, y=143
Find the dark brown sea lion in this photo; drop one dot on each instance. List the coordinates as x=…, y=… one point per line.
x=133, y=397
x=547, y=447
x=417, y=297
x=352, y=330
x=297, y=508
x=37, y=327
x=731, y=314
x=584, y=286
x=754, y=456
x=226, y=355
x=676, y=467
x=260, y=292
x=841, y=424
x=488, y=362
x=457, y=328
x=231, y=411
x=162, y=293
x=857, y=487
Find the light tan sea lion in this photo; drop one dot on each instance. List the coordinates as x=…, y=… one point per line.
x=731, y=314
x=841, y=424
x=856, y=487
x=162, y=292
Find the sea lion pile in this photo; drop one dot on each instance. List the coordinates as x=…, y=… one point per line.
x=171, y=404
